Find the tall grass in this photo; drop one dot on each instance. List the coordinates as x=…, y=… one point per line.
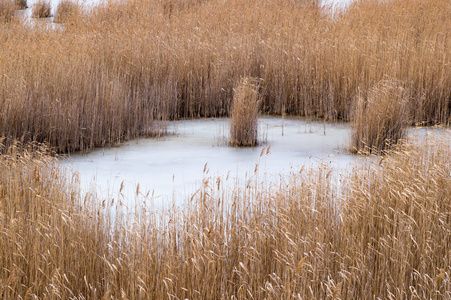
x=105, y=77
x=244, y=114
x=50, y=238
x=380, y=231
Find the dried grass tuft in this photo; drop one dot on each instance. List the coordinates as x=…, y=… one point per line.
x=6, y=10
x=380, y=118
x=244, y=115
x=41, y=9
x=66, y=10
x=20, y=4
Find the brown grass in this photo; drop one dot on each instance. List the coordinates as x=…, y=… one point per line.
x=6, y=11
x=244, y=115
x=41, y=9
x=381, y=118
x=66, y=11
x=104, y=77
x=381, y=231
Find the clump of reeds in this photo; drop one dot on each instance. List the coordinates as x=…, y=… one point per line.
x=244, y=114
x=20, y=4
x=41, y=9
x=380, y=119
x=6, y=10
x=173, y=6
x=66, y=10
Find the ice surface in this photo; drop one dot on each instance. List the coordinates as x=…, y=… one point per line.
x=87, y=4
x=26, y=13
x=174, y=166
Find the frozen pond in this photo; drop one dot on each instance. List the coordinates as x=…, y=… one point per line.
x=26, y=13
x=91, y=3
x=173, y=166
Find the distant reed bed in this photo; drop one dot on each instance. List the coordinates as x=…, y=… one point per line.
x=106, y=75
x=383, y=230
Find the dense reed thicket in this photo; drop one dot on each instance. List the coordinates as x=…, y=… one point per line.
x=107, y=75
x=381, y=231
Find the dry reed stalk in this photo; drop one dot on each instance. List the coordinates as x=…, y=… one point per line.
x=244, y=115
x=66, y=10
x=41, y=9
x=381, y=118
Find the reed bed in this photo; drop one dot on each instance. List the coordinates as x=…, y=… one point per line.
x=244, y=115
x=380, y=230
x=107, y=76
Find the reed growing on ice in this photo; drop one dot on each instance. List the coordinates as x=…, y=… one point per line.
x=244, y=114
x=380, y=118
x=20, y=4
x=6, y=11
x=66, y=10
x=41, y=9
